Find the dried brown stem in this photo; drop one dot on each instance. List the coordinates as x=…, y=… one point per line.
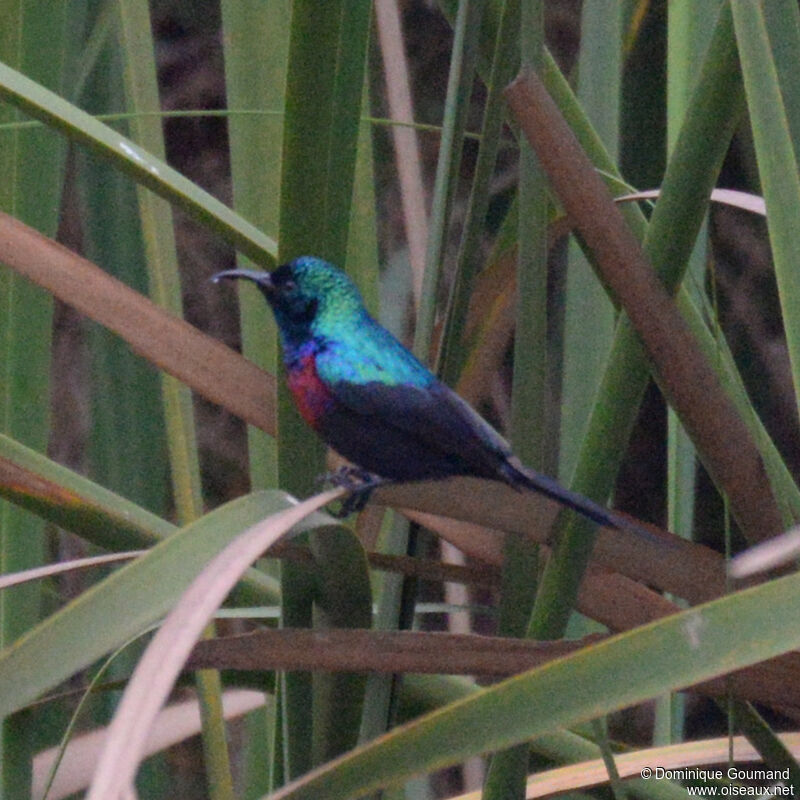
x=203, y=363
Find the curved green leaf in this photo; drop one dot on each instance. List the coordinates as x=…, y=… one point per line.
x=143, y=167
x=125, y=603
x=777, y=164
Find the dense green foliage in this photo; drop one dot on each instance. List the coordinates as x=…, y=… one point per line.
x=573, y=351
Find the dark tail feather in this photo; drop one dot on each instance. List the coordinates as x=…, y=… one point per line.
x=523, y=477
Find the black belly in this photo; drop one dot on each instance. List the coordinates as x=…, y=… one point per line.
x=388, y=451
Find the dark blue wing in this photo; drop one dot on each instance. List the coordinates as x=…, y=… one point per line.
x=443, y=428
x=387, y=400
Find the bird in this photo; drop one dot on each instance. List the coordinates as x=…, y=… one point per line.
x=371, y=400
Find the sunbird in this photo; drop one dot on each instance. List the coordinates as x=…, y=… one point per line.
x=374, y=402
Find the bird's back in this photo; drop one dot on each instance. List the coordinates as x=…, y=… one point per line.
x=394, y=417
x=360, y=351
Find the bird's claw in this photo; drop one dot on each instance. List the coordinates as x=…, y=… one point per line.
x=349, y=477
x=360, y=485
x=352, y=504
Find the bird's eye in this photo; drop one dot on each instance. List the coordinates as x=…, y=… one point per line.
x=289, y=286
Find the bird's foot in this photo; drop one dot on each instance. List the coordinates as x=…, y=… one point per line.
x=358, y=482
x=348, y=477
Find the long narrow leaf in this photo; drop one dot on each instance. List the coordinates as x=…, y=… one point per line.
x=586, y=306
x=31, y=182
x=54, y=111
x=255, y=150
x=141, y=91
x=777, y=165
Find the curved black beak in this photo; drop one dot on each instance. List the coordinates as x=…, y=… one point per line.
x=260, y=277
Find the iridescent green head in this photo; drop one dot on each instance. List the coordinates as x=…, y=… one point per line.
x=308, y=296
